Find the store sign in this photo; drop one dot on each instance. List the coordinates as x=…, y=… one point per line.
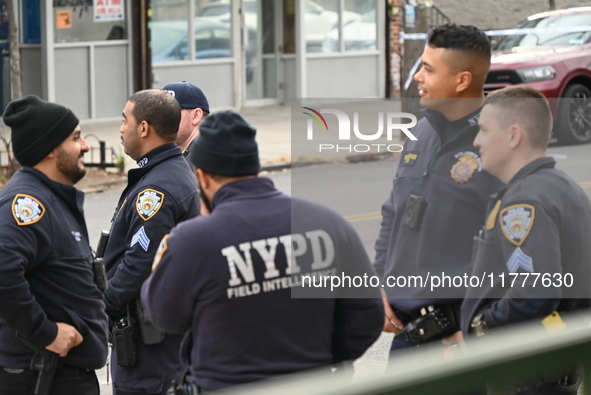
x=108, y=10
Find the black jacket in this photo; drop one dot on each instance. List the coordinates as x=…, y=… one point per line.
x=450, y=177
x=158, y=196
x=234, y=278
x=46, y=273
x=539, y=224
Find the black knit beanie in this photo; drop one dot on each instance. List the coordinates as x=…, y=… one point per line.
x=226, y=146
x=37, y=127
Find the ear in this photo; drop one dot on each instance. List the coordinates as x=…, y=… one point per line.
x=464, y=80
x=203, y=178
x=196, y=116
x=143, y=129
x=516, y=134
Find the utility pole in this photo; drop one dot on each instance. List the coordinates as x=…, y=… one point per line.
x=15, y=57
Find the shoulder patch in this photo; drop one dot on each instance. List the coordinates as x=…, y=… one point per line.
x=148, y=203
x=27, y=210
x=468, y=162
x=492, y=217
x=160, y=251
x=410, y=158
x=516, y=222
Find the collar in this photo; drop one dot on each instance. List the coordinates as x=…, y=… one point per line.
x=154, y=157
x=438, y=120
x=546, y=162
x=247, y=188
x=72, y=197
x=143, y=161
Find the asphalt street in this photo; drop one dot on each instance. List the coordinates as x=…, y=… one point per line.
x=356, y=191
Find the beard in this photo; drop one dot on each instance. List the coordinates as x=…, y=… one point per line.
x=204, y=197
x=68, y=165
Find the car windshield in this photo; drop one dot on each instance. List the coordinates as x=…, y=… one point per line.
x=549, y=38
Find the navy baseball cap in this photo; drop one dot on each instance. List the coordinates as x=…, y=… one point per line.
x=188, y=95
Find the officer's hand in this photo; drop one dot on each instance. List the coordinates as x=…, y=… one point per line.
x=391, y=322
x=455, y=343
x=67, y=338
x=457, y=339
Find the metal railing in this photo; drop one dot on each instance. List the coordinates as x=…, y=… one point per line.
x=523, y=351
x=102, y=154
x=437, y=17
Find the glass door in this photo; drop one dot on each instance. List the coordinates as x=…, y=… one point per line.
x=261, y=52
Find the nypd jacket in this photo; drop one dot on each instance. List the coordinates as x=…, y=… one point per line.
x=534, y=250
x=451, y=179
x=46, y=273
x=159, y=195
x=234, y=271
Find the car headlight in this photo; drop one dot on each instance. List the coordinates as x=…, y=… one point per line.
x=538, y=73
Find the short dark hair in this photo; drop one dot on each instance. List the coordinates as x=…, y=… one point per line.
x=159, y=109
x=529, y=107
x=464, y=38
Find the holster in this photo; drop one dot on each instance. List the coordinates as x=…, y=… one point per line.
x=124, y=338
x=150, y=334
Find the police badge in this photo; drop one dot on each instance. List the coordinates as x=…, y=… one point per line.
x=516, y=222
x=148, y=203
x=468, y=162
x=27, y=210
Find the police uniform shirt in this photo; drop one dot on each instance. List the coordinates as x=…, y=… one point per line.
x=537, y=234
x=226, y=279
x=46, y=273
x=160, y=194
x=449, y=177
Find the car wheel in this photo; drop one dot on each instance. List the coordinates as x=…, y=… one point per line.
x=573, y=125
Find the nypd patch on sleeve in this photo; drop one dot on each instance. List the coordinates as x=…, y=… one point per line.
x=27, y=210
x=161, y=250
x=517, y=221
x=149, y=201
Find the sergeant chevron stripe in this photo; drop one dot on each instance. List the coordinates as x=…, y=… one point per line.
x=520, y=259
x=142, y=238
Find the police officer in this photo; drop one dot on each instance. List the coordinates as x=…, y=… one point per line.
x=439, y=195
x=160, y=193
x=538, y=225
x=194, y=107
x=235, y=271
x=50, y=300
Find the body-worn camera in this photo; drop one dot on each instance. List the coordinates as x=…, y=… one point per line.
x=434, y=321
x=124, y=338
x=414, y=210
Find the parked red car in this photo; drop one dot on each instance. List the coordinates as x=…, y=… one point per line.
x=556, y=63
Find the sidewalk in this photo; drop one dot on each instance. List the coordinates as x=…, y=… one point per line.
x=274, y=128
